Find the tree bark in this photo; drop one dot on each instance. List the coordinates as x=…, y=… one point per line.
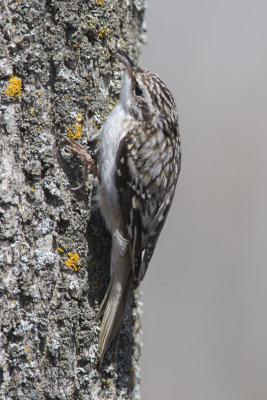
x=58, y=73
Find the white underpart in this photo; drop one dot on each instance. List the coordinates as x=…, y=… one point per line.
x=113, y=130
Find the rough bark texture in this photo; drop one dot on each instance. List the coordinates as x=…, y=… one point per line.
x=63, y=54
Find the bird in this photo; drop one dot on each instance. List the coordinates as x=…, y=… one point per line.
x=138, y=169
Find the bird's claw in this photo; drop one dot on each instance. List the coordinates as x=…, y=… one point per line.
x=81, y=151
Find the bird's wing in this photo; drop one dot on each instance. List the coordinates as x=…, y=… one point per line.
x=145, y=180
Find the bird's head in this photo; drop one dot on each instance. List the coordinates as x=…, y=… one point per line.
x=143, y=94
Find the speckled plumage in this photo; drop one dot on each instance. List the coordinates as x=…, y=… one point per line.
x=139, y=164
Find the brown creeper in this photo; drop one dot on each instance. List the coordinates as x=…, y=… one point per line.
x=139, y=164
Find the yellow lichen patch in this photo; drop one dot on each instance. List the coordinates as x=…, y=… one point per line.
x=75, y=45
x=99, y=2
x=38, y=93
x=73, y=261
x=103, y=32
x=77, y=133
x=87, y=97
x=70, y=134
x=123, y=42
x=14, y=87
x=78, y=128
x=39, y=127
x=26, y=350
x=32, y=110
x=60, y=250
x=32, y=190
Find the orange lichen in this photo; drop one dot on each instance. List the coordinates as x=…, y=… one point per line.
x=103, y=32
x=73, y=261
x=77, y=133
x=14, y=87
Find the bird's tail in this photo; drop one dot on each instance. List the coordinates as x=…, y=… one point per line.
x=114, y=303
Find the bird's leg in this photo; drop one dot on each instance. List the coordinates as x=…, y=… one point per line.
x=87, y=159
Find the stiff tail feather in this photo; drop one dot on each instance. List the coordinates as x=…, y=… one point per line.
x=114, y=304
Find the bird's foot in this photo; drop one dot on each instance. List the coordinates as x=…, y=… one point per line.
x=87, y=159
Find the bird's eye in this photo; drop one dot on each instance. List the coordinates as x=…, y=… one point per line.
x=138, y=91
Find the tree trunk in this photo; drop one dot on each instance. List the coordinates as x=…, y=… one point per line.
x=59, y=74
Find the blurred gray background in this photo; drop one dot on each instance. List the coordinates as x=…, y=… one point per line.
x=205, y=292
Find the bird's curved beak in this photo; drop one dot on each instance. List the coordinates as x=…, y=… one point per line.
x=127, y=62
